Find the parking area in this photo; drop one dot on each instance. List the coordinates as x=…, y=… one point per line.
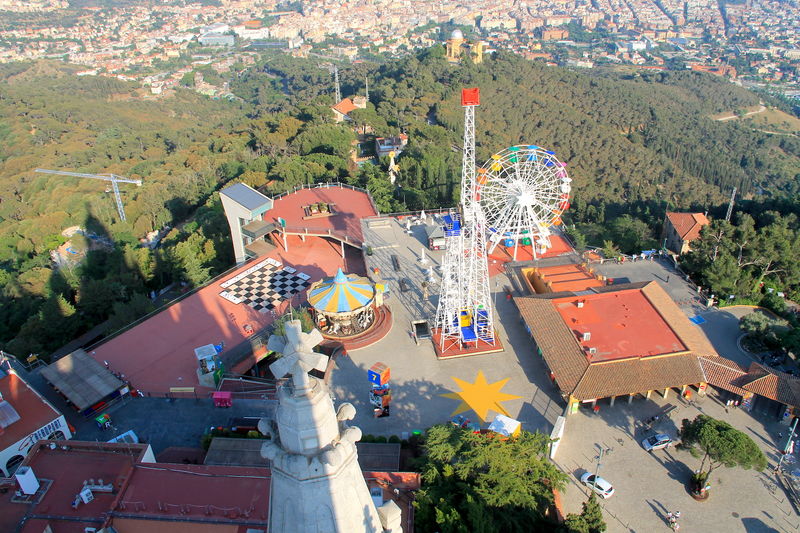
x=649, y=485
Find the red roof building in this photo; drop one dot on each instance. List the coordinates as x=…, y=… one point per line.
x=347, y=106
x=680, y=229
x=618, y=340
x=133, y=494
x=25, y=417
x=157, y=354
x=342, y=110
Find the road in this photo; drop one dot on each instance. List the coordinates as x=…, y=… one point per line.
x=760, y=109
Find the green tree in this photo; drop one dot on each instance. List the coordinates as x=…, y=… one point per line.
x=297, y=313
x=125, y=313
x=589, y=521
x=187, y=80
x=94, y=297
x=577, y=237
x=610, y=250
x=474, y=482
x=631, y=234
x=719, y=444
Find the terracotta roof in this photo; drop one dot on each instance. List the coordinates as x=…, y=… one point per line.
x=772, y=384
x=692, y=336
x=576, y=375
x=626, y=376
x=723, y=373
x=559, y=346
x=688, y=225
x=33, y=410
x=345, y=106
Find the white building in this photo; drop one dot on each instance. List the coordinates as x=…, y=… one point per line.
x=244, y=208
x=25, y=418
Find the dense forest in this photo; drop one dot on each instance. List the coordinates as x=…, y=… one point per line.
x=636, y=144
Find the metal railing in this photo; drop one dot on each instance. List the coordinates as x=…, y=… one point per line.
x=439, y=211
x=164, y=306
x=328, y=185
x=321, y=232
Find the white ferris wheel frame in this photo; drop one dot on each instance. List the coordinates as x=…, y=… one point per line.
x=524, y=191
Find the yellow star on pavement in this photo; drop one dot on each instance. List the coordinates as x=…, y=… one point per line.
x=480, y=396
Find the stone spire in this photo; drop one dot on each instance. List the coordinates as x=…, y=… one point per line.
x=317, y=484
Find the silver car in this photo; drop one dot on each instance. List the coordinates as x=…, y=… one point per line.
x=602, y=487
x=657, y=442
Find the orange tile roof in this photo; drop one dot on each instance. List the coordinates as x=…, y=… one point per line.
x=688, y=225
x=345, y=107
x=692, y=337
x=34, y=412
x=556, y=341
x=585, y=379
x=628, y=376
x=723, y=373
x=621, y=324
x=156, y=497
x=773, y=384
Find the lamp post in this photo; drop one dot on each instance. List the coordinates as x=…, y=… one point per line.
x=599, y=464
x=787, y=446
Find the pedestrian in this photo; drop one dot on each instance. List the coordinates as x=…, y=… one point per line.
x=667, y=278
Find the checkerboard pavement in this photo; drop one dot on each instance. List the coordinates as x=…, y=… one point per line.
x=265, y=288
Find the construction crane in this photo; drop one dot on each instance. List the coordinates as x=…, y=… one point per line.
x=113, y=178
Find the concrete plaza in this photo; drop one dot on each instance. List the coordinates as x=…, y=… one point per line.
x=648, y=485
x=418, y=379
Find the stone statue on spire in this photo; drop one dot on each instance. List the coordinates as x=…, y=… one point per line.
x=317, y=483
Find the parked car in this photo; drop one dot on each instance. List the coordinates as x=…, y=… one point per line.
x=657, y=442
x=602, y=487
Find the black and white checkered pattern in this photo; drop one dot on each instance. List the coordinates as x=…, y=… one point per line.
x=265, y=288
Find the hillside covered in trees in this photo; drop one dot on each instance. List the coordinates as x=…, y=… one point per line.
x=636, y=144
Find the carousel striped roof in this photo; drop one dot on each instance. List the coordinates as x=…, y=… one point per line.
x=341, y=293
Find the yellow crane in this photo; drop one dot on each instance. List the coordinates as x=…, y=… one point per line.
x=113, y=178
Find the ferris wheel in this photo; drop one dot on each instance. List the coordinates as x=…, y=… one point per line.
x=523, y=190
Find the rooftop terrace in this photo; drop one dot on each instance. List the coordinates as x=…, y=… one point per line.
x=618, y=325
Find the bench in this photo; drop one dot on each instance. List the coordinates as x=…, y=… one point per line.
x=404, y=285
x=396, y=263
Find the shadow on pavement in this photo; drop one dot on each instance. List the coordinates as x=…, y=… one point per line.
x=410, y=402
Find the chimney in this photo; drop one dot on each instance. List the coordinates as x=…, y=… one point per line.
x=580, y=304
x=586, y=336
x=27, y=480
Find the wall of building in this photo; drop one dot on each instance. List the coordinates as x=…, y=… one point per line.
x=22, y=446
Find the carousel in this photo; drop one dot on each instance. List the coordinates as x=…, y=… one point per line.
x=342, y=305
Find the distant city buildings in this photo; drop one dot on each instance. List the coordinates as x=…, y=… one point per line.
x=457, y=45
x=126, y=41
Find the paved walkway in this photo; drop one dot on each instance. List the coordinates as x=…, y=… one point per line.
x=650, y=485
x=164, y=423
x=417, y=378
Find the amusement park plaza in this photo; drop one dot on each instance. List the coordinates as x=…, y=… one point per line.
x=572, y=341
x=483, y=316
